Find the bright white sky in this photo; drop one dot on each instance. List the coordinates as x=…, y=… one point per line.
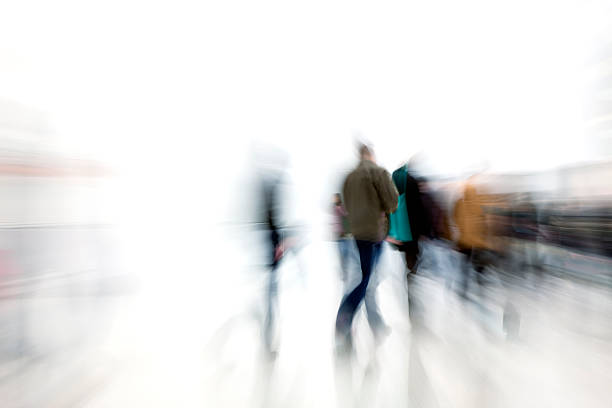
x=462, y=80
x=172, y=90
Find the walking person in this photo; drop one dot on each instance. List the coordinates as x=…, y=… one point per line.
x=279, y=236
x=472, y=241
x=369, y=196
x=408, y=224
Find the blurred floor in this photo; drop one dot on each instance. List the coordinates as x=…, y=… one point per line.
x=200, y=345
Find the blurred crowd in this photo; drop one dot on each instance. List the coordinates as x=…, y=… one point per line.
x=484, y=242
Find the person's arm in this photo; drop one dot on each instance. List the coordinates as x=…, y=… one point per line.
x=386, y=191
x=288, y=216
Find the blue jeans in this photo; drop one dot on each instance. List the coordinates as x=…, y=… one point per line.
x=369, y=253
x=345, y=249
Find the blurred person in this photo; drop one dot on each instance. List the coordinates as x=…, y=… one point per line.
x=369, y=196
x=342, y=235
x=279, y=238
x=436, y=229
x=436, y=226
x=480, y=221
x=469, y=218
x=408, y=223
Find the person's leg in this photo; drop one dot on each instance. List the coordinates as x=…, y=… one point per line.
x=516, y=259
x=411, y=256
x=344, y=248
x=479, y=263
x=534, y=262
x=411, y=253
x=353, y=256
x=272, y=300
x=525, y=256
x=427, y=257
x=465, y=272
x=539, y=261
x=351, y=302
x=377, y=323
x=449, y=257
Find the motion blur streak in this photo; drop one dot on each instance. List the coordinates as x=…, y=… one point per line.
x=175, y=229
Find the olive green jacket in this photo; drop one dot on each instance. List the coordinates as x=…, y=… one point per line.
x=369, y=196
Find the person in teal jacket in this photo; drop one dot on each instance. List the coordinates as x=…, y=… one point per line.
x=407, y=224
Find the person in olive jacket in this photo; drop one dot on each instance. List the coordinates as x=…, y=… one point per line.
x=369, y=197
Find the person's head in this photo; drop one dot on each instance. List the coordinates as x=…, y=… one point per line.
x=337, y=199
x=469, y=192
x=366, y=153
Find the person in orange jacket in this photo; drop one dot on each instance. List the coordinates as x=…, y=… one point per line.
x=472, y=241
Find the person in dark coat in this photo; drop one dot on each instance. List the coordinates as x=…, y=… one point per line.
x=419, y=224
x=279, y=237
x=418, y=219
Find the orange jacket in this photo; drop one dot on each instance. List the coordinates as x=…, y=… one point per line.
x=470, y=220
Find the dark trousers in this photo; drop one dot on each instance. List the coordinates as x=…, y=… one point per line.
x=412, y=257
x=369, y=253
x=474, y=258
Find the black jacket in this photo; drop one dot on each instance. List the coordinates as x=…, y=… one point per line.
x=417, y=216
